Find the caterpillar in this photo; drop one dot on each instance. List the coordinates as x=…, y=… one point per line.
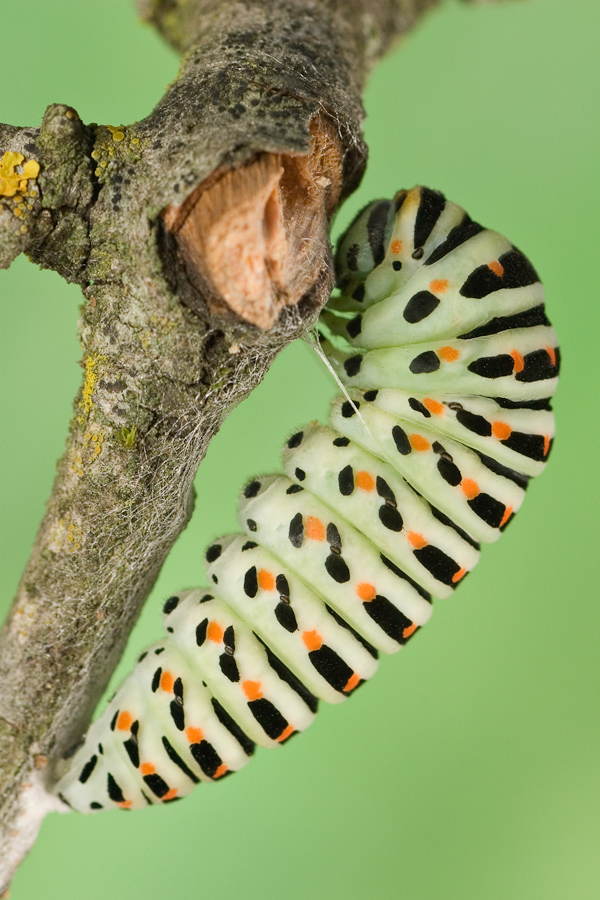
x=448, y=362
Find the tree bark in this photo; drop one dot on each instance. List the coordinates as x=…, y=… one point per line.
x=268, y=97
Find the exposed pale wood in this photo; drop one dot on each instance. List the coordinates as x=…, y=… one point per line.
x=255, y=238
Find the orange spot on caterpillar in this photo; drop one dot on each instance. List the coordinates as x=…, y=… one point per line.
x=166, y=682
x=352, y=682
x=410, y=629
x=438, y=285
x=125, y=721
x=169, y=795
x=214, y=632
x=220, y=771
x=194, y=735
x=364, y=481
x=497, y=268
x=147, y=769
x=396, y=246
x=266, y=580
x=312, y=640
x=433, y=406
x=286, y=733
x=470, y=488
x=448, y=354
x=501, y=430
x=314, y=529
x=417, y=540
x=458, y=575
x=552, y=354
x=124, y=804
x=546, y=444
x=418, y=442
x=366, y=591
x=506, y=516
x=519, y=362
x=252, y=690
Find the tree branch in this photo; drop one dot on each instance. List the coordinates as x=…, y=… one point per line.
x=255, y=143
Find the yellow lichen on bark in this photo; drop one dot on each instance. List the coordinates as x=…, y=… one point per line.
x=91, y=377
x=11, y=181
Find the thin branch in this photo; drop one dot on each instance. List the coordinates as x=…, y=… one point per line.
x=268, y=96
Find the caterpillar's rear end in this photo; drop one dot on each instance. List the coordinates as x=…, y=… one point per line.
x=440, y=337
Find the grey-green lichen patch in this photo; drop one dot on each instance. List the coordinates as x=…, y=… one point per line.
x=59, y=234
x=66, y=246
x=14, y=237
x=64, y=145
x=116, y=148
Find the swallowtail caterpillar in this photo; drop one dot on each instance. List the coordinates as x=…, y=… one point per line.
x=440, y=339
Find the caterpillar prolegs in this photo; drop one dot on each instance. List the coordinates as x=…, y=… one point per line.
x=440, y=337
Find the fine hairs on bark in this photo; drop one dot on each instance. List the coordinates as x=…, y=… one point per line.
x=199, y=237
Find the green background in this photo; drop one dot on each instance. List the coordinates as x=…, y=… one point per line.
x=469, y=767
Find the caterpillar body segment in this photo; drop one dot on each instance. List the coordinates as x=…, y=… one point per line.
x=434, y=302
x=364, y=489
x=205, y=742
x=288, y=616
x=342, y=565
x=455, y=478
x=517, y=438
x=449, y=363
x=525, y=369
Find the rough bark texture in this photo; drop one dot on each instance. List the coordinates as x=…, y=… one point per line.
x=163, y=364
